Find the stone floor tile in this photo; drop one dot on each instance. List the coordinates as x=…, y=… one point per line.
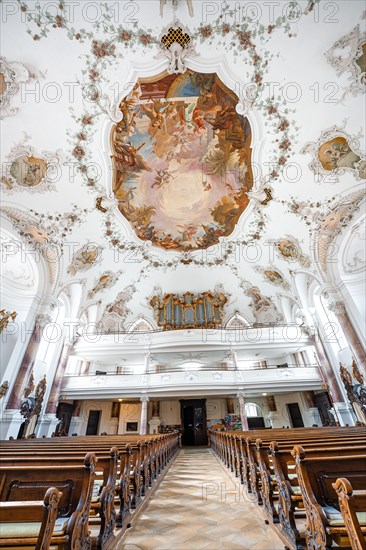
x=199, y=506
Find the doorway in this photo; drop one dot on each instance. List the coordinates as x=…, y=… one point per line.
x=93, y=423
x=193, y=414
x=323, y=404
x=64, y=414
x=295, y=415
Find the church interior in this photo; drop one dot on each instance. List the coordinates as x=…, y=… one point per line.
x=183, y=303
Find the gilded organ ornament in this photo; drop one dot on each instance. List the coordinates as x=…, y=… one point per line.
x=203, y=310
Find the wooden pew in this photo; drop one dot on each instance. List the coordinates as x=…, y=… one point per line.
x=352, y=506
x=316, y=477
x=29, y=483
x=253, y=460
x=140, y=460
x=290, y=500
x=102, y=501
x=39, y=518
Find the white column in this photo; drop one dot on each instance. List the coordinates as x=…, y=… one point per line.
x=155, y=420
x=143, y=421
x=243, y=416
x=234, y=359
x=147, y=362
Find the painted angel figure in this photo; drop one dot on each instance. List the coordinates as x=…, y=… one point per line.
x=175, y=4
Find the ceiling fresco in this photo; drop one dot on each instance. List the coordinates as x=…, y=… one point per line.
x=182, y=161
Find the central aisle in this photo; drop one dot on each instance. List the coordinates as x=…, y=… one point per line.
x=189, y=512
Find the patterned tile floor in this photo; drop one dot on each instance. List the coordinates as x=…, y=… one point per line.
x=198, y=505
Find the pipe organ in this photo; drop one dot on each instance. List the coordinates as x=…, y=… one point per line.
x=203, y=310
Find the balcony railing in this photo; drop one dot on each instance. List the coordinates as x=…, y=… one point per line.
x=211, y=381
x=171, y=369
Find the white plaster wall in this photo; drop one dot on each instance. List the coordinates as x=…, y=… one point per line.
x=129, y=412
x=106, y=424
x=281, y=417
x=170, y=412
x=216, y=409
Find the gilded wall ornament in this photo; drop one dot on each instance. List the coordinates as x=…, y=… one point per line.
x=27, y=169
x=348, y=56
x=176, y=46
x=6, y=317
x=4, y=389
x=334, y=154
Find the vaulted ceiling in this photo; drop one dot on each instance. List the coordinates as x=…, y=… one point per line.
x=239, y=169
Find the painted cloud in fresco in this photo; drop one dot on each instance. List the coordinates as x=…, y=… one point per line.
x=182, y=161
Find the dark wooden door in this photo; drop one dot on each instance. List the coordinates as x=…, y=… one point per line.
x=295, y=415
x=322, y=402
x=64, y=414
x=193, y=413
x=93, y=423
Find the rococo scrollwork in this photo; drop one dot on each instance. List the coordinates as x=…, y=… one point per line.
x=348, y=56
x=12, y=76
x=334, y=154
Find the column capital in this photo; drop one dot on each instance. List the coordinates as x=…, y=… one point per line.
x=338, y=307
x=240, y=395
x=144, y=399
x=42, y=320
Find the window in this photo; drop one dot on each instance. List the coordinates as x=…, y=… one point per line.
x=116, y=405
x=252, y=409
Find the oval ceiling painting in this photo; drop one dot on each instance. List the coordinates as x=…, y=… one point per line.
x=182, y=160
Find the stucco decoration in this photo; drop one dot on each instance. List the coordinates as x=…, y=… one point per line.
x=332, y=223
x=85, y=258
x=273, y=276
x=45, y=231
x=348, y=56
x=106, y=280
x=12, y=76
x=262, y=307
x=354, y=255
x=176, y=46
x=115, y=314
x=289, y=249
x=175, y=4
x=26, y=169
x=334, y=154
